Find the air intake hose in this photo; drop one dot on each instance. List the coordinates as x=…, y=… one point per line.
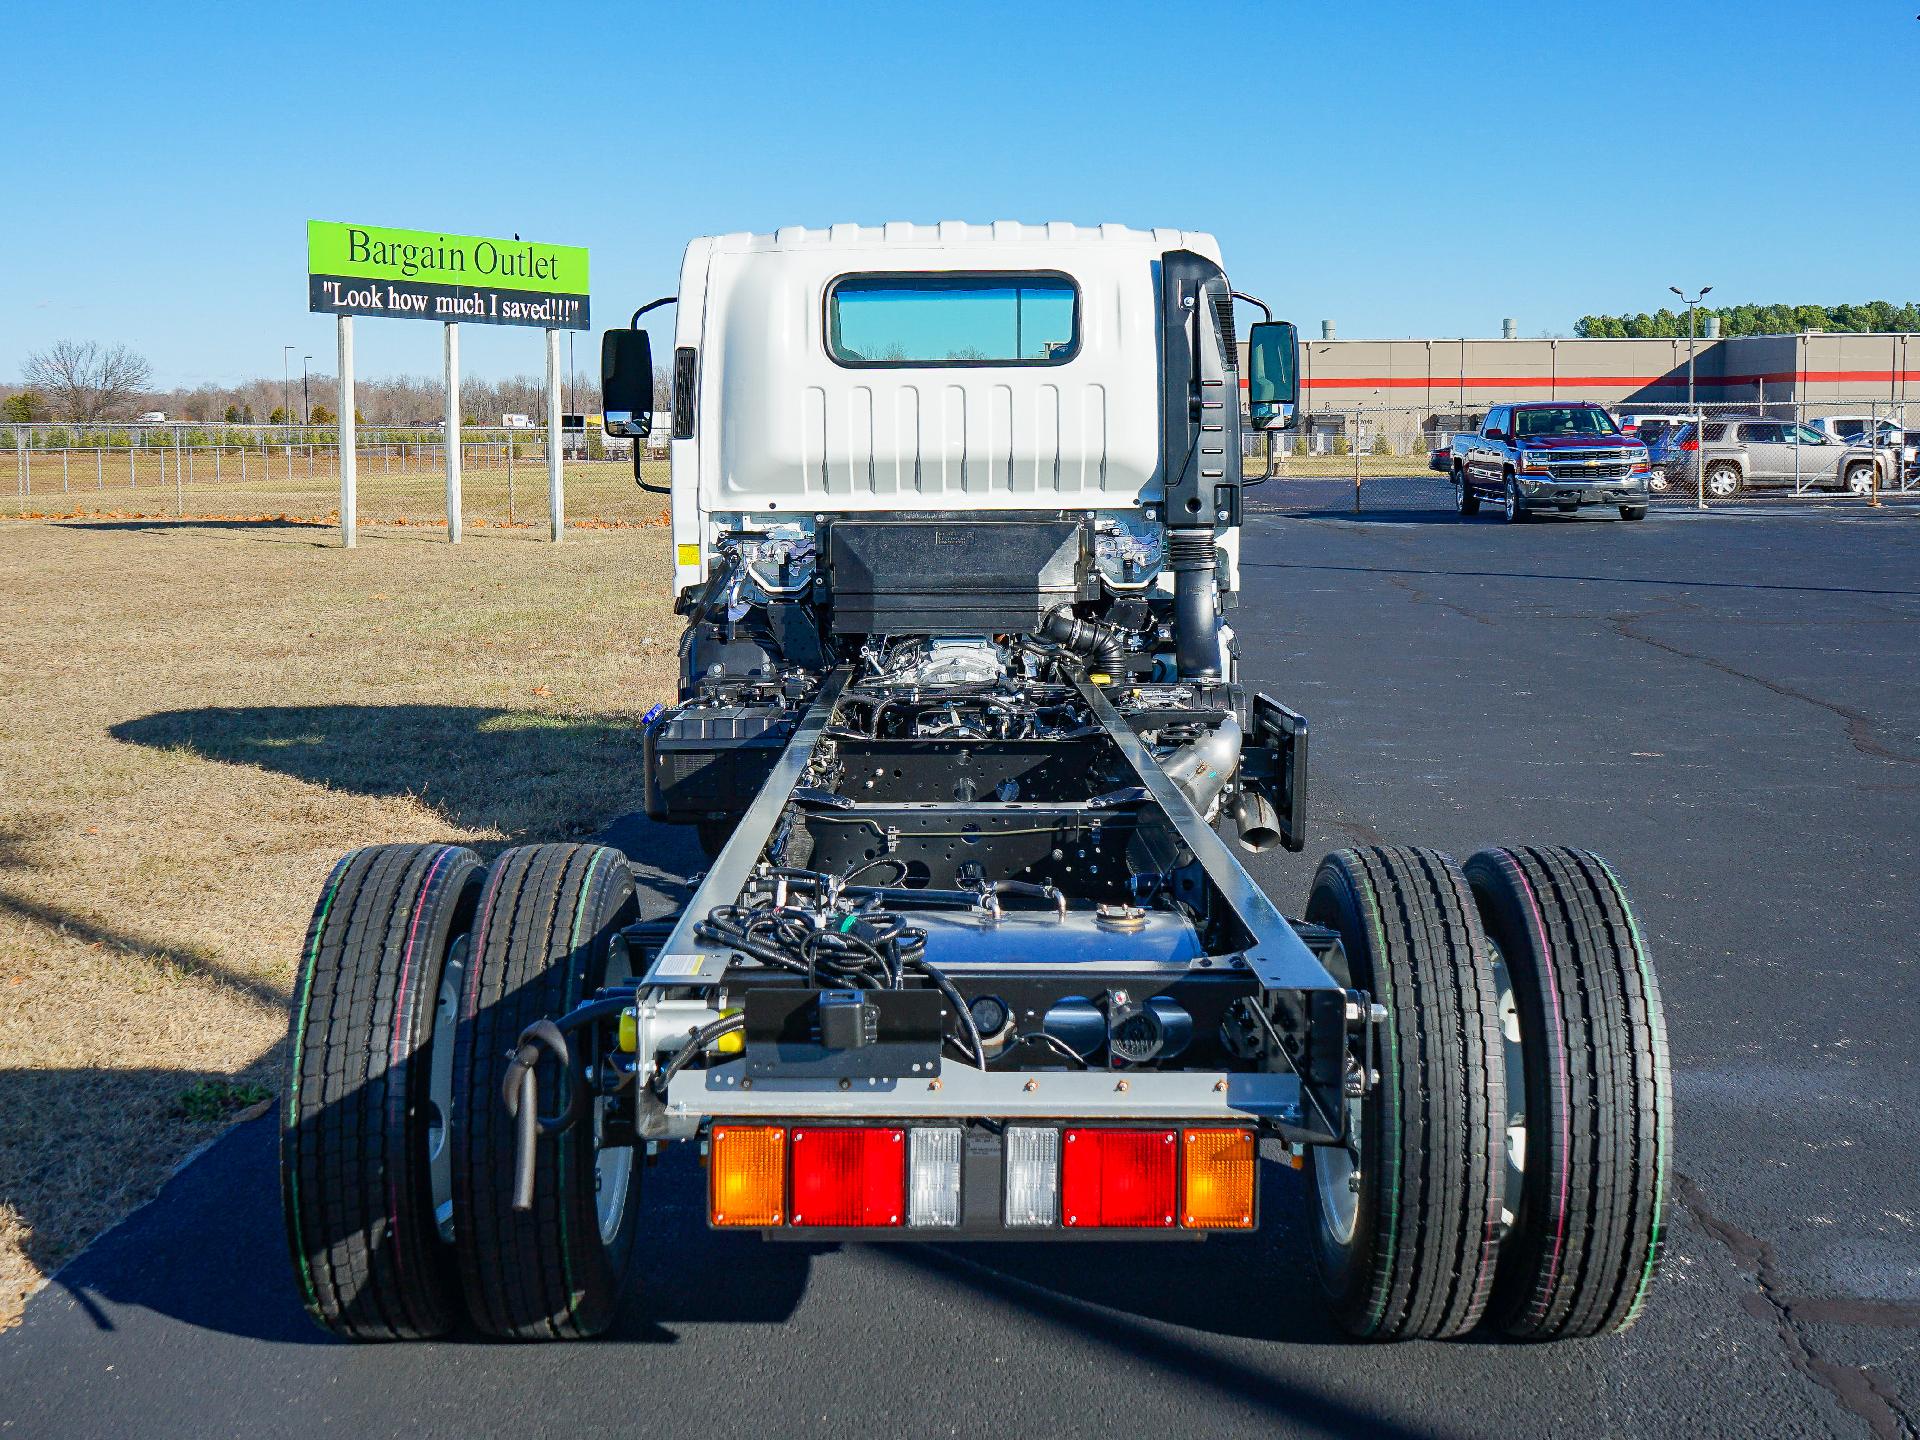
x=1104, y=645
x=1196, y=603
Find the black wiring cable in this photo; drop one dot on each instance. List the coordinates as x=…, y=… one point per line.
x=1043, y=1038
x=696, y=1044
x=792, y=939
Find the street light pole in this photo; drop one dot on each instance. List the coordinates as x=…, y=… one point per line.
x=1699, y=423
x=1690, y=304
x=286, y=383
x=306, y=405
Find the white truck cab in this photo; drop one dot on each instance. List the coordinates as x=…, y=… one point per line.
x=947, y=367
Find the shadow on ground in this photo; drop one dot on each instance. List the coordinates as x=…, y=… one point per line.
x=528, y=775
x=189, y=522
x=211, y=1253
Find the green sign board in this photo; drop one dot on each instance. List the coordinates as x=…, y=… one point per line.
x=424, y=275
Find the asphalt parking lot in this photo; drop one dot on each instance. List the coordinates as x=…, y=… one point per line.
x=1727, y=707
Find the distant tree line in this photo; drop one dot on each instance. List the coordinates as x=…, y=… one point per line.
x=88, y=381
x=1881, y=316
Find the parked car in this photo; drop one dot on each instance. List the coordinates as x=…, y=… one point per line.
x=1651, y=429
x=1859, y=430
x=1548, y=455
x=1671, y=457
x=1738, y=453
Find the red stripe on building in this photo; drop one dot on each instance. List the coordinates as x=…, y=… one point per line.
x=1535, y=382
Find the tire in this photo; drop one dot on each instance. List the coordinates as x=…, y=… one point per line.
x=1590, y=1223
x=1465, y=502
x=1660, y=482
x=1859, y=480
x=1513, y=508
x=361, y=1129
x=1724, y=482
x=542, y=942
x=1633, y=512
x=1413, y=1253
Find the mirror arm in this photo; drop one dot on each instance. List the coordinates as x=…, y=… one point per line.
x=634, y=323
x=1266, y=310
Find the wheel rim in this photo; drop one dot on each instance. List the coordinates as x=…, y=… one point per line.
x=1511, y=499
x=1720, y=483
x=440, y=1087
x=1336, y=1173
x=1508, y=1009
x=612, y=1168
x=1858, y=481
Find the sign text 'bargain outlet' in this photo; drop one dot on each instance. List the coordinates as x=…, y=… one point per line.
x=424, y=275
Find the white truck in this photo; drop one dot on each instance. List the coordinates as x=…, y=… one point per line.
x=956, y=511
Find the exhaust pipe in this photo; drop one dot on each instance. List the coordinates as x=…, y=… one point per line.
x=1258, y=822
x=1202, y=767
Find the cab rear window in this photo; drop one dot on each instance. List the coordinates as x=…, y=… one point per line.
x=924, y=320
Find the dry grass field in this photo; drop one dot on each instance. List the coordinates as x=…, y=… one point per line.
x=395, y=487
x=195, y=721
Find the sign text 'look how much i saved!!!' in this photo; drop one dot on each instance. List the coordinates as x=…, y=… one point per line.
x=425, y=275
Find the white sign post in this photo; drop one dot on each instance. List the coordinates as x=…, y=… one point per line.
x=556, y=480
x=349, y=439
x=453, y=433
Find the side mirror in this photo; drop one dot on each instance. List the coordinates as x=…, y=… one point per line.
x=626, y=384
x=1273, y=372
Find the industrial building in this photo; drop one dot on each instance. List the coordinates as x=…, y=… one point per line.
x=1434, y=386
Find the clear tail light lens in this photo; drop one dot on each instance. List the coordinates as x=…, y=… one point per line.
x=1033, y=1176
x=933, y=1176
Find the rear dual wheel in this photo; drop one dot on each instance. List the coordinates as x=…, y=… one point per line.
x=396, y=1149
x=1510, y=1159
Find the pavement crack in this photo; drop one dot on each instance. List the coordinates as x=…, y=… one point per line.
x=1856, y=1388
x=1400, y=582
x=1860, y=726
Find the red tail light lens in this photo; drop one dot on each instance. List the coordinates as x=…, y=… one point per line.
x=1689, y=444
x=1119, y=1178
x=849, y=1177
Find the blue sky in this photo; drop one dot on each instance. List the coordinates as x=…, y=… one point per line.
x=1403, y=169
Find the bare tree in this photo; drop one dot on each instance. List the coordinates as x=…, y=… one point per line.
x=87, y=381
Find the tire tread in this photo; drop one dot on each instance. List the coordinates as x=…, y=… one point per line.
x=1592, y=1237
x=359, y=1220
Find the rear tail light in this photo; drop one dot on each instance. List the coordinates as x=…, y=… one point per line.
x=849, y=1177
x=1033, y=1176
x=1689, y=444
x=747, y=1175
x=1216, y=1179
x=1119, y=1178
x=933, y=1176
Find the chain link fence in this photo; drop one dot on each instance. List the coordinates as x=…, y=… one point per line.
x=1391, y=458
x=292, y=473
x=1368, y=458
